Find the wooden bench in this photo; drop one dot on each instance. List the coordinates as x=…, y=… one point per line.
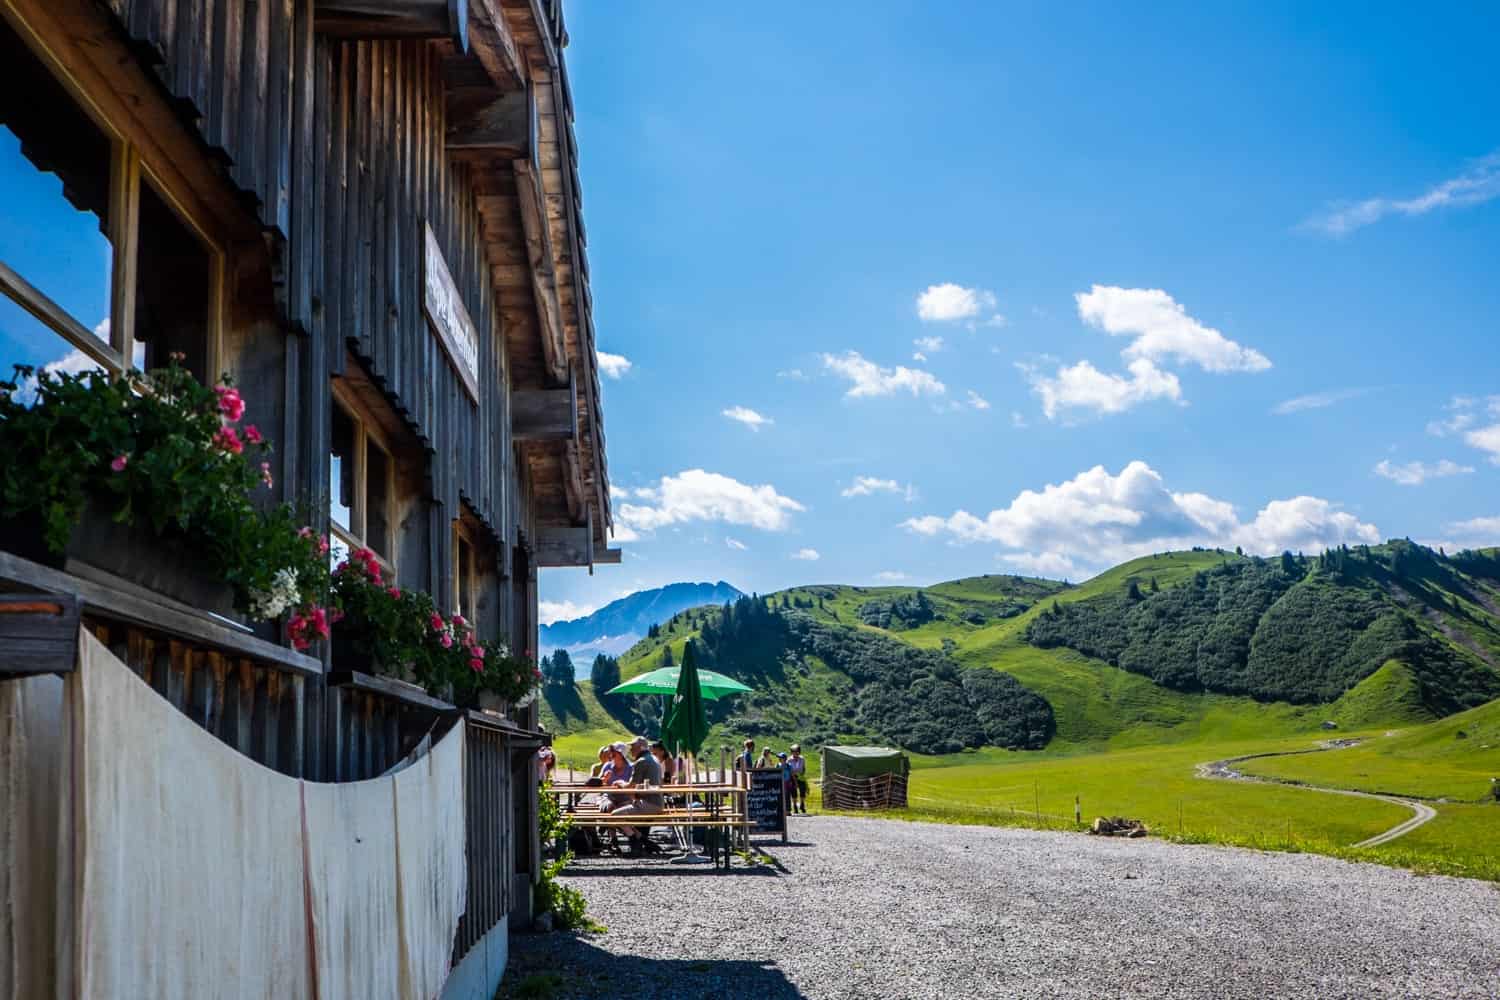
x=723, y=808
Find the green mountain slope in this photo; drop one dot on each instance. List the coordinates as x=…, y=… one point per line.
x=1173, y=648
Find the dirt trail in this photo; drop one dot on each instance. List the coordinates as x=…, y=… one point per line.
x=1224, y=770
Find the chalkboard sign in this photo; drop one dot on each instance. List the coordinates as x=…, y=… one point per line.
x=766, y=803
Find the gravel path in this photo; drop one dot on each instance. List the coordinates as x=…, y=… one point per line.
x=873, y=908
x=1421, y=812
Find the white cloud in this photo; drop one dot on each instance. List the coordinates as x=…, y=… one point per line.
x=918, y=356
x=1486, y=439
x=613, y=365
x=1018, y=421
x=1475, y=186
x=929, y=344
x=865, y=486
x=747, y=416
x=792, y=374
x=736, y=544
x=622, y=532
x=977, y=401
x=1084, y=387
x=1046, y=564
x=807, y=555
x=696, y=495
x=1464, y=415
x=1317, y=400
x=1416, y=473
x=1163, y=330
x=890, y=575
x=948, y=302
x=75, y=362
x=1475, y=533
x=549, y=612
x=868, y=379
x=1097, y=519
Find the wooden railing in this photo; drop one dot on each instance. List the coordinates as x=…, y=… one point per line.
x=500, y=799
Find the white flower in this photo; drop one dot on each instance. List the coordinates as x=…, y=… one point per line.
x=266, y=605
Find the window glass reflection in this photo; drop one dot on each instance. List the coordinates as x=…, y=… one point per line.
x=341, y=470
x=54, y=198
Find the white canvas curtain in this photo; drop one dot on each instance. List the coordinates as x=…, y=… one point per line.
x=181, y=869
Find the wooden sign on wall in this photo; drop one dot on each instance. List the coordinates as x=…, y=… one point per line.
x=449, y=318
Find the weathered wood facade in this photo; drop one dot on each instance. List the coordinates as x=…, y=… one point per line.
x=387, y=201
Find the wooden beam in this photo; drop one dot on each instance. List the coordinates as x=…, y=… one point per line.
x=360, y=19
x=495, y=126
x=122, y=602
x=494, y=46
x=38, y=634
x=532, y=197
x=563, y=545
x=545, y=414
x=610, y=557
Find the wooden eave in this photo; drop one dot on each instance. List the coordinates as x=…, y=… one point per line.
x=530, y=206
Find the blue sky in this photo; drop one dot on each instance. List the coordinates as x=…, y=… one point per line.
x=1219, y=277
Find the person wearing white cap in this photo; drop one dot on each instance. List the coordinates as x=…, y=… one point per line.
x=645, y=771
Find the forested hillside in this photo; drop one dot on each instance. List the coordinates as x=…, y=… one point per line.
x=1301, y=630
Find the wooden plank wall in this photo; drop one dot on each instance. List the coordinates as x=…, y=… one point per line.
x=339, y=150
x=489, y=836
x=386, y=173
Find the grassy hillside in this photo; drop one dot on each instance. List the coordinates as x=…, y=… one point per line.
x=1453, y=758
x=986, y=622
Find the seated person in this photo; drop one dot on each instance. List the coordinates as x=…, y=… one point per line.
x=668, y=765
x=645, y=772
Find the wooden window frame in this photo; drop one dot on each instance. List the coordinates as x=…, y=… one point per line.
x=127, y=172
x=465, y=529
x=366, y=430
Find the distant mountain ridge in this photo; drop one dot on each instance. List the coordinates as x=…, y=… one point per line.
x=619, y=624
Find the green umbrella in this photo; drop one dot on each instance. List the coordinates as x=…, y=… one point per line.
x=666, y=680
x=685, y=727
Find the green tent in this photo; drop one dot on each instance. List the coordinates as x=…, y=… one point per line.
x=864, y=777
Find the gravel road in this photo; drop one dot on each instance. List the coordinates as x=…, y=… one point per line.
x=872, y=908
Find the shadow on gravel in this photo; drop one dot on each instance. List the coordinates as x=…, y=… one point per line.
x=576, y=870
x=567, y=966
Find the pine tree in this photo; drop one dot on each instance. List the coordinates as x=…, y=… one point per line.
x=1154, y=588
x=666, y=656
x=561, y=672
x=654, y=632
x=604, y=674
x=1135, y=591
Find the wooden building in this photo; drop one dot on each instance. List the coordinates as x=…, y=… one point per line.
x=368, y=212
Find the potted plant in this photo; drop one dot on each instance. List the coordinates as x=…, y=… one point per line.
x=150, y=477
x=379, y=628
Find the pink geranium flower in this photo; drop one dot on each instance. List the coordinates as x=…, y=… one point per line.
x=446, y=640
x=394, y=592
x=265, y=474
x=253, y=435
x=227, y=440
x=436, y=621
x=230, y=403
x=120, y=462
x=477, y=665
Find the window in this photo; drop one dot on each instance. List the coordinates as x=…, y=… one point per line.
x=465, y=571
x=362, y=483
x=97, y=269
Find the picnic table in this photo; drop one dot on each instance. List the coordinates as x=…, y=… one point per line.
x=713, y=805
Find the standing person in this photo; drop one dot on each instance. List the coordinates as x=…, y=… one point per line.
x=786, y=783
x=799, y=777
x=767, y=759
x=546, y=761
x=746, y=760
